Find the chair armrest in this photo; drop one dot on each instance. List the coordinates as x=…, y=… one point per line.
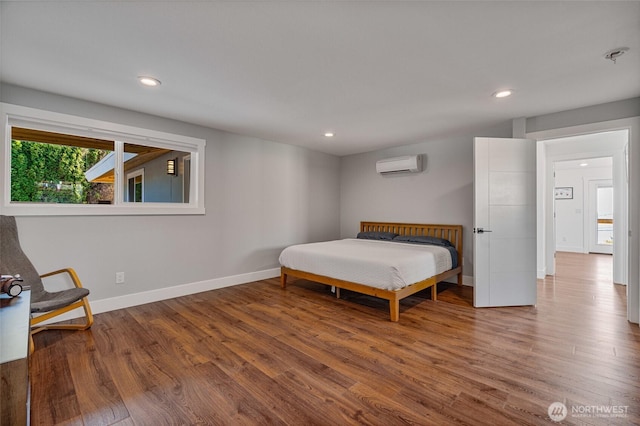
x=70, y=271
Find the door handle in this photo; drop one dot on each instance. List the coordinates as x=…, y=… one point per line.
x=480, y=230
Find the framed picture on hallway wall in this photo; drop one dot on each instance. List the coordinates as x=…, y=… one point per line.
x=564, y=193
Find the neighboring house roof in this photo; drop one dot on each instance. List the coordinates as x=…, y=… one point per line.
x=102, y=171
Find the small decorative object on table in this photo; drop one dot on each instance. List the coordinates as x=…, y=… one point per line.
x=11, y=285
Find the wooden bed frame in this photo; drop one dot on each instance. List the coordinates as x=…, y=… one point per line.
x=452, y=233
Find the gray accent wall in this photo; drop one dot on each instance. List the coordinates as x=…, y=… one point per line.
x=261, y=196
x=442, y=193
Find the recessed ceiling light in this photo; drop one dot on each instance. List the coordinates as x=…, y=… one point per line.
x=149, y=81
x=329, y=134
x=584, y=164
x=502, y=93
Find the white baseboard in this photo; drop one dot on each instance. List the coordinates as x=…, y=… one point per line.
x=570, y=249
x=135, y=299
x=541, y=274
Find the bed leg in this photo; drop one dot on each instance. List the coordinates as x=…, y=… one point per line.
x=394, y=308
x=434, y=291
x=283, y=280
x=460, y=279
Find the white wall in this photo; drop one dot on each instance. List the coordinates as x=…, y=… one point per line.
x=260, y=197
x=572, y=215
x=442, y=193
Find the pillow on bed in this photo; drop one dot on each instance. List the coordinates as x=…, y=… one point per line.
x=375, y=235
x=422, y=239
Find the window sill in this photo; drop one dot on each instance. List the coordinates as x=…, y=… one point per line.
x=28, y=209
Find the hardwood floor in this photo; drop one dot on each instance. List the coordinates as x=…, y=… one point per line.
x=255, y=354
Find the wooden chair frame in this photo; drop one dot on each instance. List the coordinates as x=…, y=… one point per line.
x=82, y=303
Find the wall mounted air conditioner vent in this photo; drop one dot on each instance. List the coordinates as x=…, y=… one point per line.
x=408, y=164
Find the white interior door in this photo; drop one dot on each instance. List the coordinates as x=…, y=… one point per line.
x=600, y=219
x=504, y=239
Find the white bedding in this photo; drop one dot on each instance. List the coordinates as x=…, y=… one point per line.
x=382, y=264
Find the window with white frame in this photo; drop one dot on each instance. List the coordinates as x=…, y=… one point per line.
x=186, y=187
x=135, y=186
x=60, y=164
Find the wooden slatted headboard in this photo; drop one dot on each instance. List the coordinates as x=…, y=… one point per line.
x=451, y=233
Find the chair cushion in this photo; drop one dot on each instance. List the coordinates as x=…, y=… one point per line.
x=51, y=301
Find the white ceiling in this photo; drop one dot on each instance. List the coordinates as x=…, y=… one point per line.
x=591, y=163
x=378, y=74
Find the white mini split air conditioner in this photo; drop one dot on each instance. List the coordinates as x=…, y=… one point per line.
x=408, y=164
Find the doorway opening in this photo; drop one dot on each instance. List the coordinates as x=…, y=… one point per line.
x=587, y=147
x=586, y=141
x=584, y=208
x=572, y=223
x=600, y=223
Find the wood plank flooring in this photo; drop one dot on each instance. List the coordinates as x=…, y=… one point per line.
x=255, y=354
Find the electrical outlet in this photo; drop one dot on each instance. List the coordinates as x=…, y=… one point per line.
x=119, y=277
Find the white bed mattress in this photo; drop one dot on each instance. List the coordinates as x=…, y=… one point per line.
x=382, y=264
